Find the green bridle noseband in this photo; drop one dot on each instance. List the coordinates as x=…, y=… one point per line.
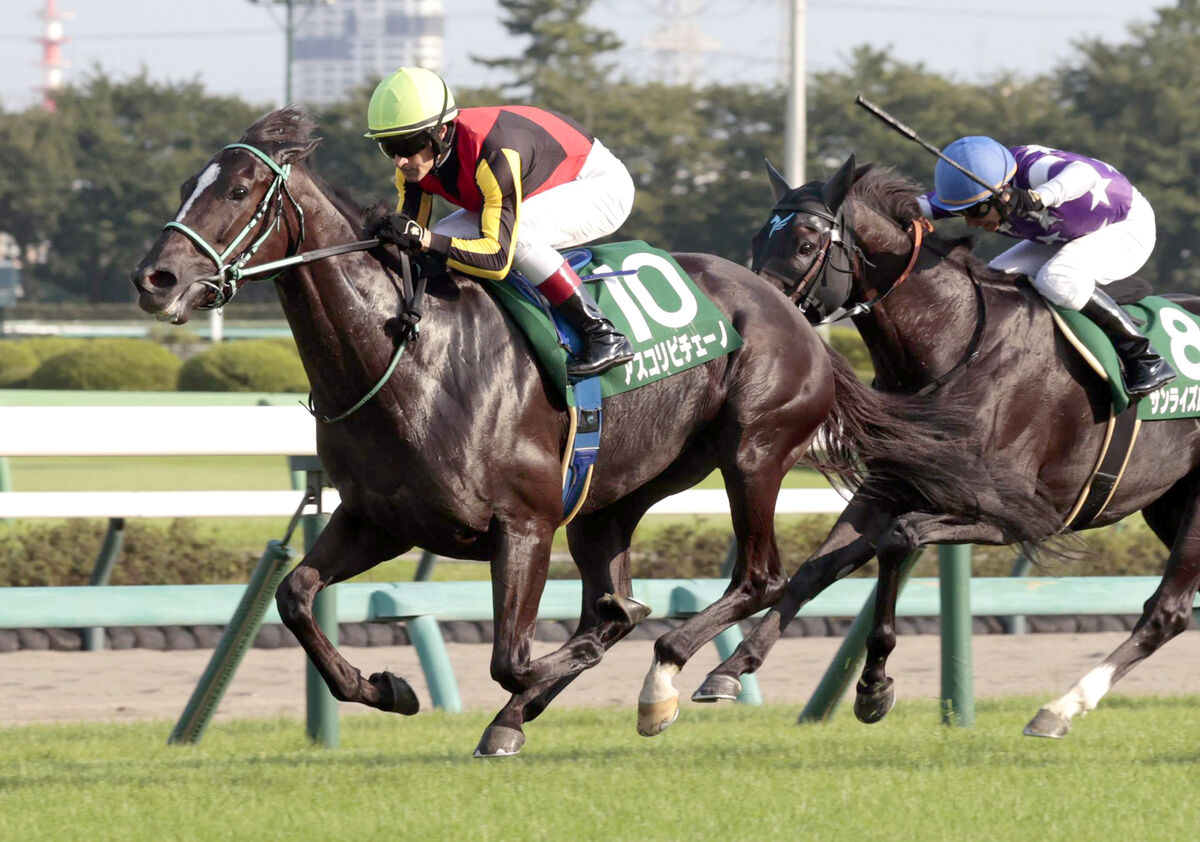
x=230, y=272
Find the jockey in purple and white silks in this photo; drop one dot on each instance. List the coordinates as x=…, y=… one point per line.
x=1081, y=225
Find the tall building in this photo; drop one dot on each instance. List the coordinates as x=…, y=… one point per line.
x=340, y=46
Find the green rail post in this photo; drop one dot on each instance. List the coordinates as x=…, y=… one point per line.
x=849, y=657
x=321, y=706
x=426, y=636
x=1015, y=624
x=425, y=567
x=958, y=692
x=234, y=642
x=93, y=638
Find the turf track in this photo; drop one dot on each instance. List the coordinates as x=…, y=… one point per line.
x=1129, y=772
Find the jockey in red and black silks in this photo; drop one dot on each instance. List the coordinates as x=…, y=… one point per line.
x=527, y=183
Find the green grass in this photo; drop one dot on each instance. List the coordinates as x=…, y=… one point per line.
x=1128, y=772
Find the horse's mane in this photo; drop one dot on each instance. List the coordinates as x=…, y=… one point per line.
x=895, y=196
x=292, y=127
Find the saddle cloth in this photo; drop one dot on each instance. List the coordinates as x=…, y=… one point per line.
x=1173, y=331
x=646, y=294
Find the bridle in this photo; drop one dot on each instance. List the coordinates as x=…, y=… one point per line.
x=269, y=213
x=837, y=231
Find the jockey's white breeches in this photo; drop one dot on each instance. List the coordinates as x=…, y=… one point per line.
x=1066, y=274
x=595, y=204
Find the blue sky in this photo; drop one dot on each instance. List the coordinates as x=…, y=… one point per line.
x=235, y=46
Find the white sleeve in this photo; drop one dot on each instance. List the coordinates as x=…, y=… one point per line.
x=1075, y=179
x=926, y=208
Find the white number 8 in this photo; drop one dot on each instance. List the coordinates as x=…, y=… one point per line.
x=1185, y=336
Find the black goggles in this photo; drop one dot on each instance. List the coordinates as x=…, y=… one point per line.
x=980, y=210
x=404, y=145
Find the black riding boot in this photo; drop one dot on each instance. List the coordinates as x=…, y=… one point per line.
x=603, y=345
x=1144, y=370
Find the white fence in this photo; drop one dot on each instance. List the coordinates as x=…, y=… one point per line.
x=224, y=431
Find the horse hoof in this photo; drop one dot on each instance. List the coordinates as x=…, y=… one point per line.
x=1047, y=723
x=717, y=687
x=872, y=703
x=625, y=609
x=395, y=695
x=500, y=741
x=656, y=717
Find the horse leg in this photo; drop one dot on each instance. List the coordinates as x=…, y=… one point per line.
x=850, y=544
x=345, y=548
x=1165, y=614
x=519, y=566
x=757, y=582
x=875, y=692
x=600, y=547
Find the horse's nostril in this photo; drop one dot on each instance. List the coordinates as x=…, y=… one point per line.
x=159, y=279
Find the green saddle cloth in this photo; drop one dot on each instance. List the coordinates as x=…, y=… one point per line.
x=1175, y=334
x=646, y=294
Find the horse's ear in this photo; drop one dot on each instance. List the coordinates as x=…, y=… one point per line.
x=779, y=184
x=297, y=151
x=835, y=189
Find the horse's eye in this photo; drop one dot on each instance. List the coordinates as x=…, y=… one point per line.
x=807, y=248
x=238, y=193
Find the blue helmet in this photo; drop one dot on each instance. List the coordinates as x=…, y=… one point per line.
x=987, y=158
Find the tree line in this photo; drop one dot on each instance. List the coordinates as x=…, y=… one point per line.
x=89, y=187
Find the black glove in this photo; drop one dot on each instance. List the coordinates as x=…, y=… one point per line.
x=1020, y=202
x=400, y=230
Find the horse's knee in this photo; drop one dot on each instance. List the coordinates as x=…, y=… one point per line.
x=294, y=595
x=1162, y=622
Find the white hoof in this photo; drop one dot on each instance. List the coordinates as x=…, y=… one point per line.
x=656, y=717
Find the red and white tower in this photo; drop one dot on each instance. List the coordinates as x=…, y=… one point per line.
x=52, y=61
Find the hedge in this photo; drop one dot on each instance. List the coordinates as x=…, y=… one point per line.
x=255, y=365
x=118, y=365
x=17, y=363
x=65, y=554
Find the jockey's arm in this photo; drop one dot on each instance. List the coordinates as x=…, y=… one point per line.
x=413, y=202
x=1076, y=179
x=490, y=255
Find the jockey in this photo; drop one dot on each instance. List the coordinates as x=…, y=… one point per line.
x=1097, y=228
x=527, y=181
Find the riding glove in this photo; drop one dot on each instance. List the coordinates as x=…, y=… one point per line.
x=1021, y=202
x=401, y=230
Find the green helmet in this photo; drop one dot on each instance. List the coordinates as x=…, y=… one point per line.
x=411, y=100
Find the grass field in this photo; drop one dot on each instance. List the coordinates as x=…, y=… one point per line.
x=730, y=773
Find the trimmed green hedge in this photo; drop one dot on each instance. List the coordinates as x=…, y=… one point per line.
x=847, y=342
x=17, y=363
x=255, y=365
x=115, y=365
x=151, y=555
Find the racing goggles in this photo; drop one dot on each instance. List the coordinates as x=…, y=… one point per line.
x=979, y=211
x=404, y=146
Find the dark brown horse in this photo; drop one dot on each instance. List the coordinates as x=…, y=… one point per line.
x=959, y=330
x=459, y=452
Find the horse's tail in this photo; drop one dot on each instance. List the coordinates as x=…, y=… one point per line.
x=918, y=453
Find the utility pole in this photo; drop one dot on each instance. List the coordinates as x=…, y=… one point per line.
x=794, y=139
x=289, y=34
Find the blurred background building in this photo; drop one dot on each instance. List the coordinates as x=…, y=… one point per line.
x=340, y=46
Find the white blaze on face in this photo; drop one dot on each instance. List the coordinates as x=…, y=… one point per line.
x=206, y=178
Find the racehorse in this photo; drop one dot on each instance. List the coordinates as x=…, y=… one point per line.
x=937, y=320
x=459, y=450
